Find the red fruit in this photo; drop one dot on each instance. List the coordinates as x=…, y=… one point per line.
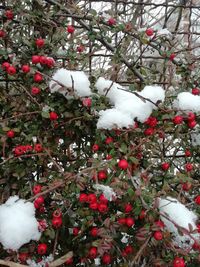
x=94, y=231
x=128, y=249
x=76, y=231
x=123, y=164
x=151, y=121
x=2, y=33
x=57, y=213
x=9, y=14
x=37, y=189
x=35, y=90
x=53, y=116
x=196, y=246
x=192, y=124
x=191, y=116
x=111, y=21
x=142, y=214
x=69, y=261
x=108, y=157
x=42, y=249
x=106, y=258
x=158, y=235
x=196, y=91
x=198, y=228
x=26, y=68
x=35, y=59
x=5, y=65
x=102, y=207
x=109, y=140
x=19, y=150
x=103, y=199
x=93, y=206
x=50, y=62
x=92, y=253
x=178, y=262
x=43, y=60
x=80, y=48
x=95, y=147
x=11, y=70
x=187, y=153
x=102, y=175
x=121, y=220
x=128, y=208
x=177, y=119
x=149, y=32
x=188, y=167
x=10, y=134
x=197, y=200
x=39, y=200
x=165, y=166
x=39, y=42
x=56, y=222
x=172, y=56
x=83, y=198
x=23, y=256
x=38, y=148
x=70, y=29
x=130, y=222
x=160, y=224
x=28, y=148
x=186, y=186
x=92, y=198
x=149, y=131
x=87, y=102
x=37, y=77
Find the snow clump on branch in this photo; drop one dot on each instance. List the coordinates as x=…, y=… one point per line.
x=188, y=102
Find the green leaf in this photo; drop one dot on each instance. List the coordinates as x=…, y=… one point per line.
x=45, y=114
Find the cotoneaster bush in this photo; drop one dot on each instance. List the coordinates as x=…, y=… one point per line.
x=96, y=186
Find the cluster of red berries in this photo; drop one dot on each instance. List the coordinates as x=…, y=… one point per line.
x=191, y=120
x=43, y=60
x=151, y=122
x=128, y=221
x=23, y=149
x=9, y=69
x=100, y=204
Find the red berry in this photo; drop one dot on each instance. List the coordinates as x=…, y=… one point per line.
x=5, y=65
x=10, y=134
x=128, y=249
x=76, y=230
x=56, y=222
x=158, y=235
x=83, y=198
x=186, y=186
x=69, y=261
x=53, y=116
x=35, y=59
x=103, y=199
x=191, y=116
x=106, y=258
x=177, y=119
x=188, y=167
x=95, y=147
x=93, y=206
x=37, y=189
x=92, y=253
x=37, y=77
x=160, y=224
x=50, y=62
x=172, y=56
x=130, y=222
x=2, y=33
x=42, y=249
x=43, y=60
x=121, y=220
x=192, y=124
x=123, y=164
x=196, y=91
x=102, y=175
x=35, y=90
x=11, y=70
x=111, y=21
x=109, y=140
x=165, y=166
x=9, y=14
x=149, y=131
x=94, y=231
x=198, y=228
x=23, y=256
x=149, y=32
x=80, y=48
x=39, y=200
x=92, y=198
x=142, y=214
x=187, y=153
x=102, y=207
x=197, y=200
x=70, y=29
x=151, y=121
x=128, y=208
x=26, y=68
x=178, y=262
x=39, y=42
x=38, y=148
x=87, y=102
x=19, y=150
x=108, y=157
x=57, y=213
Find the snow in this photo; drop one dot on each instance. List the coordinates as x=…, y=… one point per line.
x=187, y=101
x=64, y=81
x=164, y=32
x=107, y=191
x=43, y=263
x=18, y=224
x=127, y=105
x=182, y=216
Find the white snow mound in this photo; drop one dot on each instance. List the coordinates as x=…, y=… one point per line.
x=187, y=101
x=18, y=224
x=182, y=216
